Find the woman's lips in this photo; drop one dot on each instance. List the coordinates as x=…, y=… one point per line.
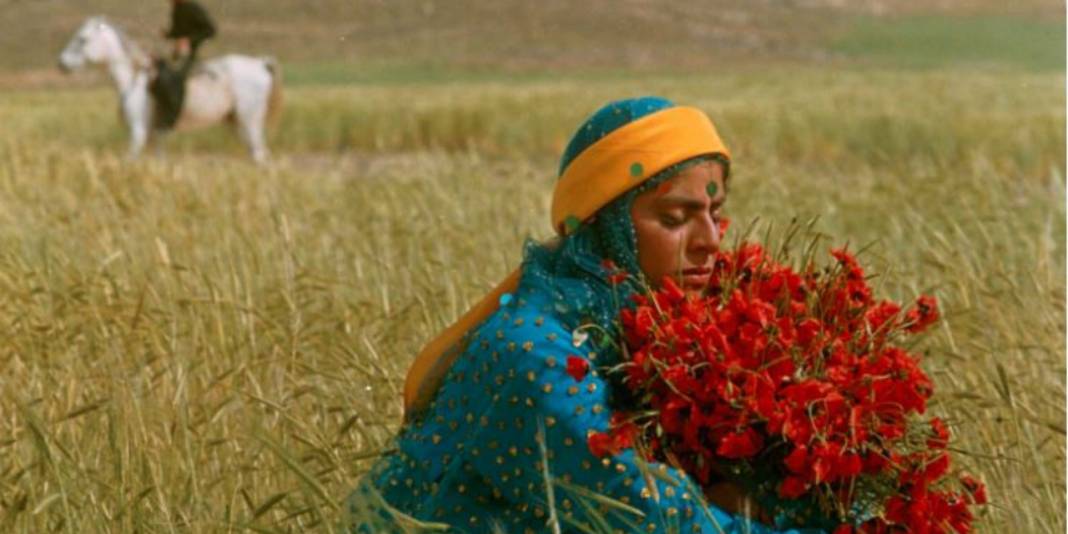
x=696, y=277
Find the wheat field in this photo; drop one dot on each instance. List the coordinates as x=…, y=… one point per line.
x=190, y=343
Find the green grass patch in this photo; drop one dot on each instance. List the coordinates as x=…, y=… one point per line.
x=934, y=41
x=427, y=73
x=351, y=72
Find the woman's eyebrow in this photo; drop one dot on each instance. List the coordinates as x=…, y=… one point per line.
x=688, y=203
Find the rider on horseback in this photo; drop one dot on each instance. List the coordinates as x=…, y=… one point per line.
x=190, y=27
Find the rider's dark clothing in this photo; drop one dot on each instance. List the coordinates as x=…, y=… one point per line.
x=188, y=20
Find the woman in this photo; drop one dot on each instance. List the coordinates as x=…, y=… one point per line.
x=642, y=184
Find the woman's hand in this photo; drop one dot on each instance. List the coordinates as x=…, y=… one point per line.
x=731, y=498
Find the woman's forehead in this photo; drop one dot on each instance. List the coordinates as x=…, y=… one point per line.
x=698, y=181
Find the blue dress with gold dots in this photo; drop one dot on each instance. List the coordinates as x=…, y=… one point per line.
x=472, y=461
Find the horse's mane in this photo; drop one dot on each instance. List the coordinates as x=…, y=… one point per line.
x=130, y=46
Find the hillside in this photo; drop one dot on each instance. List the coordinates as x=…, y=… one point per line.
x=409, y=39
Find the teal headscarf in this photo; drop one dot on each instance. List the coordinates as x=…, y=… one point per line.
x=572, y=269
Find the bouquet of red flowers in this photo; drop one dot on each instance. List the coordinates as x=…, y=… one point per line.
x=795, y=384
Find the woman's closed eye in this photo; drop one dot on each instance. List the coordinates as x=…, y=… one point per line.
x=672, y=219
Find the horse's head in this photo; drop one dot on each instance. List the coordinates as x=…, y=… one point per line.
x=95, y=42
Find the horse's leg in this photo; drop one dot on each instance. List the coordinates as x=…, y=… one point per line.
x=252, y=92
x=137, y=109
x=138, y=139
x=250, y=126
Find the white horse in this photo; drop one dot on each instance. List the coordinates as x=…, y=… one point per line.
x=242, y=90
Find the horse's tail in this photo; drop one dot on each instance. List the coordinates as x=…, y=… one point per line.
x=274, y=99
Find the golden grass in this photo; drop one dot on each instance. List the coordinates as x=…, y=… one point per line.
x=196, y=344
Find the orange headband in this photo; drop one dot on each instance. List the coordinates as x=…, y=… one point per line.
x=617, y=162
x=627, y=157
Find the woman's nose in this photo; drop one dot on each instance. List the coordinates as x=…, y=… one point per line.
x=705, y=237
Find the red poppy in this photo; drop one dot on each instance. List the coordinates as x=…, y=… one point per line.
x=881, y=317
x=618, y=438
x=797, y=461
x=613, y=273
x=600, y=444
x=577, y=367
x=936, y=468
x=742, y=444
x=922, y=315
x=724, y=224
x=792, y=487
x=941, y=434
x=975, y=488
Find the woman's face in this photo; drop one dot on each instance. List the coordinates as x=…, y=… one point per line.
x=677, y=224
